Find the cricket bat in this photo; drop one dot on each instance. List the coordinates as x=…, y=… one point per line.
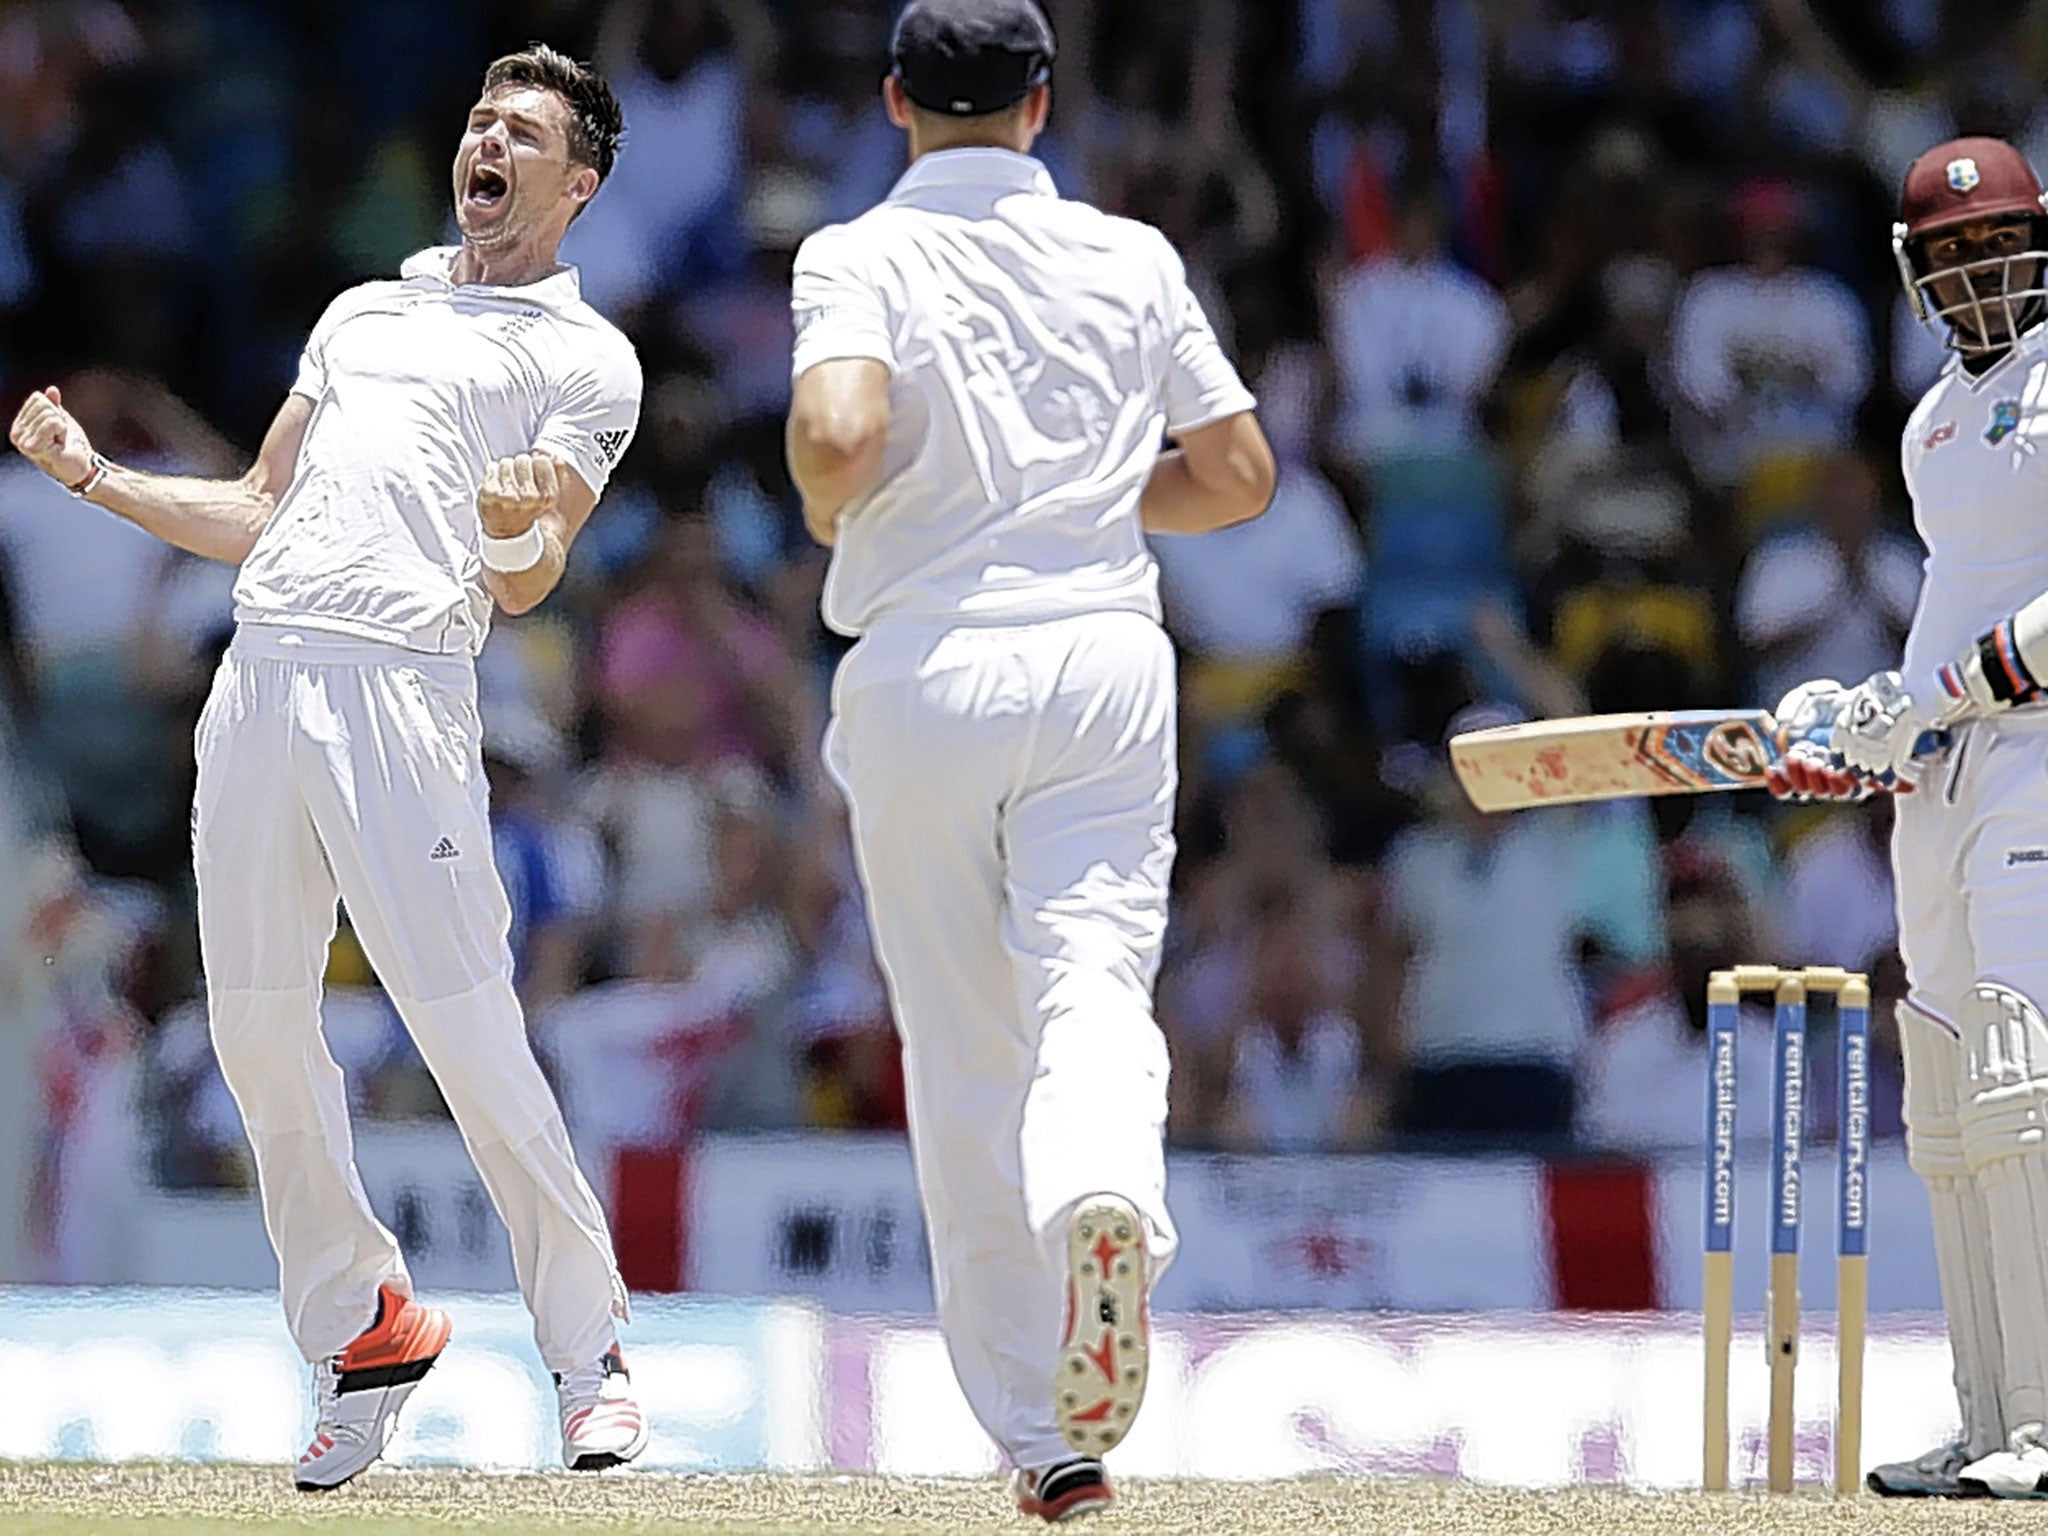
x=1618, y=757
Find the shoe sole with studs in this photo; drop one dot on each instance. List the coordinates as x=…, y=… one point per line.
x=1106, y=1354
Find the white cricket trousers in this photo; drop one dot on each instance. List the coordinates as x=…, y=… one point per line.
x=1012, y=795
x=332, y=767
x=1971, y=858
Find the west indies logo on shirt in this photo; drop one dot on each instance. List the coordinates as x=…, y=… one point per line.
x=2005, y=415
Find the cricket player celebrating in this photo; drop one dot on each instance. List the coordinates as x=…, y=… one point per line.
x=446, y=438
x=1971, y=847
x=983, y=375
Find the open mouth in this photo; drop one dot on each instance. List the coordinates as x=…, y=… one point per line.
x=487, y=187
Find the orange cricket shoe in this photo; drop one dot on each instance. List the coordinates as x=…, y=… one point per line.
x=357, y=1393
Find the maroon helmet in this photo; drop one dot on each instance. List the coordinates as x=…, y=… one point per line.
x=1960, y=182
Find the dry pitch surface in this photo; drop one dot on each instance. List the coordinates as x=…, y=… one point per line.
x=186, y=1500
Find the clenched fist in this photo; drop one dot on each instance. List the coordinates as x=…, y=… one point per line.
x=516, y=492
x=50, y=438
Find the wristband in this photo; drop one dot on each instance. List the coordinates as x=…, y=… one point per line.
x=1994, y=673
x=2005, y=669
x=521, y=552
x=92, y=479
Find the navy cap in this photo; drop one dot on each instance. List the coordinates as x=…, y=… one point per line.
x=968, y=57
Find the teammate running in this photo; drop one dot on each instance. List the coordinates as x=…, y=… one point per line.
x=1971, y=847
x=983, y=373
x=447, y=437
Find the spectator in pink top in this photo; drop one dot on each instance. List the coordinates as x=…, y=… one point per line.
x=684, y=630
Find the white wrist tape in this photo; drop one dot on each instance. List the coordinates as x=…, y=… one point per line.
x=92, y=479
x=511, y=556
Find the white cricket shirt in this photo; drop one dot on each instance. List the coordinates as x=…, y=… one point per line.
x=418, y=385
x=1039, y=349
x=1973, y=455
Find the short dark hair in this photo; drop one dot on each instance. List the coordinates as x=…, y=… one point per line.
x=596, y=125
x=951, y=130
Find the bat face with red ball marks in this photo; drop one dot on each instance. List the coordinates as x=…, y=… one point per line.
x=1617, y=757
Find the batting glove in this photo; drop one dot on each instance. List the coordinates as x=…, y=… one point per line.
x=1809, y=769
x=1881, y=734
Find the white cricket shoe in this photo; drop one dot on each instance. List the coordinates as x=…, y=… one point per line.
x=1106, y=1349
x=357, y=1393
x=1936, y=1474
x=602, y=1425
x=2018, y=1472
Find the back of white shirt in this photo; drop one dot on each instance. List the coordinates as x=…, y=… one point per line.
x=418, y=385
x=1039, y=349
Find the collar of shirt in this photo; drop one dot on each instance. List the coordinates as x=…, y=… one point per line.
x=434, y=265
x=1001, y=169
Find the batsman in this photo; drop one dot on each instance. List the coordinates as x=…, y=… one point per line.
x=1970, y=853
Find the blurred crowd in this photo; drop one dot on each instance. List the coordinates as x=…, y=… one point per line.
x=1574, y=324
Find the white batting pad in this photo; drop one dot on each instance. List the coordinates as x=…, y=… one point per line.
x=1962, y=1227
x=2004, y=1119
